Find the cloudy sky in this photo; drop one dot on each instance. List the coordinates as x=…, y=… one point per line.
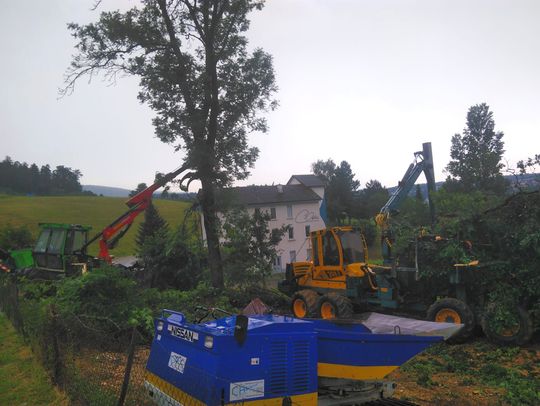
x=366, y=81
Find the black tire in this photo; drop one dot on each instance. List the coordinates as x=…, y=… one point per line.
x=342, y=307
x=519, y=333
x=309, y=298
x=456, y=311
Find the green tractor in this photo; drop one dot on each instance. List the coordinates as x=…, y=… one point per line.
x=59, y=249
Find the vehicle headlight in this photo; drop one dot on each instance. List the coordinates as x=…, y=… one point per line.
x=209, y=342
x=159, y=326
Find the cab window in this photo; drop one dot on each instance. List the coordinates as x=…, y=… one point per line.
x=41, y=244
x=315, y=247
x=56, y=241
x=330, y=250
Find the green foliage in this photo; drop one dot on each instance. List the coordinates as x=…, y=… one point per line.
x=415, y=212
x=104, y=300
x=250, y=247
x=339, y=190
x=173, y=262
x=477, y=154
x=152, y=225
x=15, y=237
x=196, y=73
x=369, y=229
x=20, y=178
x=140, y=187
x=370, y=200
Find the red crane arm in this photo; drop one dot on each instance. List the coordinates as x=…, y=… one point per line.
x=137, y=204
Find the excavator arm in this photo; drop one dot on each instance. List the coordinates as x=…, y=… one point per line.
x=423, y=162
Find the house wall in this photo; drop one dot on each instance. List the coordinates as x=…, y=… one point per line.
x=303, y=214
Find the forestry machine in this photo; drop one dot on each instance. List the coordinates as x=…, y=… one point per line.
x=61, y=249
x=339, y=280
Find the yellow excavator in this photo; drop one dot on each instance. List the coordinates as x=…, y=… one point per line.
x=339, y=280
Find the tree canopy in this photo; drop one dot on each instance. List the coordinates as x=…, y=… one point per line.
x=476, y=154
x=340, y=187
x=196, y=73
x=20, y=178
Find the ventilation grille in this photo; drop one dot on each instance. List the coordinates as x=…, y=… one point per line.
x=300, y=366
x=278, y=367
x=289, y=366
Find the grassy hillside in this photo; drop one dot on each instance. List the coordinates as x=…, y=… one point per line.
x=94, y=211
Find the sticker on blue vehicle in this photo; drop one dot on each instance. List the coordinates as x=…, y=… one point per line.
x=177, y=362
x=246, y=390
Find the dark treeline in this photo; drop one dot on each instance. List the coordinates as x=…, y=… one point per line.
x=21, y=178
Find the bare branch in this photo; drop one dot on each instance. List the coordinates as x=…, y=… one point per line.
x=96, y=5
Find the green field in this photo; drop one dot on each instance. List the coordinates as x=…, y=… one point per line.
x=22, y=380
x=94, y=211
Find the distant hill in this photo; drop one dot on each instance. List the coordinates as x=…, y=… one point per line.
x=108, y=191
x=530, y=180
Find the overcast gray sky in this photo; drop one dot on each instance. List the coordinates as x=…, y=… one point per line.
x=362, y=81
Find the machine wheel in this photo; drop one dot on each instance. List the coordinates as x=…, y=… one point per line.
x=335, y=306
x=516, y=330
x=304, y=304
x=451, y=310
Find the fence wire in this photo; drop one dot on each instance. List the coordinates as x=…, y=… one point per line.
x=103, y=369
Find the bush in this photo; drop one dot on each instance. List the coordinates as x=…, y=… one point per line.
x=104, y=301
x=14, y=238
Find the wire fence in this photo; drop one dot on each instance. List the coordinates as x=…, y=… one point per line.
x=92, y=370
x=100, y=368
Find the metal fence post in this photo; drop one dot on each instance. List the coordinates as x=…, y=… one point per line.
x=57, y=361
x=129, y=364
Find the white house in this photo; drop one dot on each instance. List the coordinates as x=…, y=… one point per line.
x=297, y=204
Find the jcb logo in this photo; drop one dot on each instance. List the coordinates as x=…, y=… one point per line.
x=332, y=274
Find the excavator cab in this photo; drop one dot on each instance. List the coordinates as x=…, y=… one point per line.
x=59, y=245
x=338, y=270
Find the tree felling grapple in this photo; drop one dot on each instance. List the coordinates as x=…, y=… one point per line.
x=282, y=360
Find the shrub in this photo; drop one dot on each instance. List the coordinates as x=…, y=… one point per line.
x=15, y=237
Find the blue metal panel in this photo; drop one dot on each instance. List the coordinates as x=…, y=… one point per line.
x=279, y=351
x=355, y=345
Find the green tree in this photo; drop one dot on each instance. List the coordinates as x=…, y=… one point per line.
x=65, y=180
x=197, y=74
x=340, y=187
x=250, y=246
x=140, y=187
x=476, y=155
x=370, y=200
x=152, y=224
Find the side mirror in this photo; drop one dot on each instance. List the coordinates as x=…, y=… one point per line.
x=240, y=329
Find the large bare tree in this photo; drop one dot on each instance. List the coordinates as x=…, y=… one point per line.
x=207, y=90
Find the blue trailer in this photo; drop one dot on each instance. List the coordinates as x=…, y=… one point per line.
x=277, y=360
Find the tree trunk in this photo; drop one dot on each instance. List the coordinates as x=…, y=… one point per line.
x=211, y=226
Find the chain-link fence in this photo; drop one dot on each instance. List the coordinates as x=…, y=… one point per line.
x=99, y=369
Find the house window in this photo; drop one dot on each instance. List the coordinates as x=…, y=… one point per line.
x=308, y=229
x=291, y=232
x=272, y=213
x=292, y=254
x=277, y=261
x=308, y=254
x=289, y=211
